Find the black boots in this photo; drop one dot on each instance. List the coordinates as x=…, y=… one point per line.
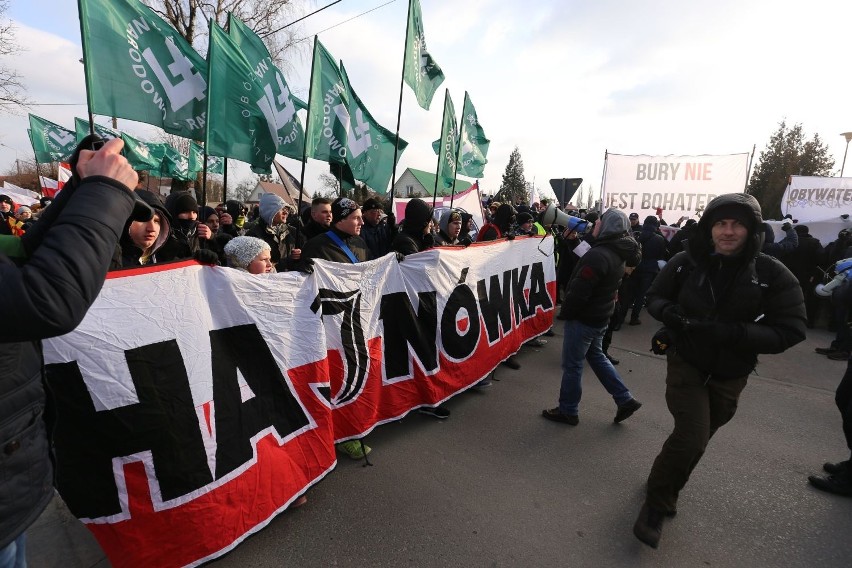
x=649, y=526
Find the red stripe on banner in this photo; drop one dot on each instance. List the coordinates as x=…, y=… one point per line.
x=206, y=408
x=211, y=524
x=151, y=269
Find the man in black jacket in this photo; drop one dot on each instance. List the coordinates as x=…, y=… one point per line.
x=588, y=304
x=47, y=296
x=723, y=302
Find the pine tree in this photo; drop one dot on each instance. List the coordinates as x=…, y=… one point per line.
x=786, y=154
x=514, y=189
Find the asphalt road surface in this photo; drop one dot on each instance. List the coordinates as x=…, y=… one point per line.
x=498, y=485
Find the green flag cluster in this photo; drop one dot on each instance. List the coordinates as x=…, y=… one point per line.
x=342, y=131
x=473, y=146
x=81, y=126
x=420, y=71
x=239, y=104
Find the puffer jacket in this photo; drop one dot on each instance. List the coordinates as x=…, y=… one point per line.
x=591, y=291
x=46, y=297
x=763, y=298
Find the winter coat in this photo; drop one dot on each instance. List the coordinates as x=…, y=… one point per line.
x=281, y=243
x=46, y=297
x=653, y=250
x=378, y=238
x=324, y=248
x=751, y=290
x=591, y=292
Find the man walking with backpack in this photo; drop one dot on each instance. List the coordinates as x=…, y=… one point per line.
x=723, y=302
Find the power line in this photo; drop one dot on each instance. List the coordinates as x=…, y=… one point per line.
x=303, y=17
x=354, y=17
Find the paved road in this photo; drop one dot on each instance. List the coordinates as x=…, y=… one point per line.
x=497, y=485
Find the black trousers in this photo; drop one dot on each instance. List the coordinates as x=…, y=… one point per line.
x=700, y=405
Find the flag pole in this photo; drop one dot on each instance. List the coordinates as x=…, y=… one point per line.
x=305, y=146
x=459, y=126
x=399, y=108
x=438, y=169
x=225, y=181
x=204, y=175
x=85, y=69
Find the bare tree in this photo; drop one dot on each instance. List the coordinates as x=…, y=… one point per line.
x=12, y=96
x=266, y=17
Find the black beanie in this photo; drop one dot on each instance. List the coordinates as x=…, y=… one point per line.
x=417, y=215
x=185, y=202
x=733, y=211
x=341, y=208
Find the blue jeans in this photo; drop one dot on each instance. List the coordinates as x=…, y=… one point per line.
x=584, y=342
x=14, y=554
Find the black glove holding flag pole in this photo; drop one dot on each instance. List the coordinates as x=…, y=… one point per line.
x=34, y=236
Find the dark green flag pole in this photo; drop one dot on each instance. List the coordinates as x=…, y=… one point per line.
x=438, y=170
x=399, y=108
x=305, y=147
x=85, y=68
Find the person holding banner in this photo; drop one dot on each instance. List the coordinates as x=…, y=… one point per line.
x=68, y=253
x=722, y=302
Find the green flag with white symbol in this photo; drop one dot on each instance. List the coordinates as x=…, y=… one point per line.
x=420, y=71
x=51, y=142
x=474, y=144
x=449, y=144
x=369, y=146
x=239, y=127
x=342, y=131
x=175, y=165
x=138, y=67
x=142, y=155
x=81, y=126
x=215, y=164
x=277, y=104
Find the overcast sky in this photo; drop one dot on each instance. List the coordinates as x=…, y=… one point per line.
x=562, y=80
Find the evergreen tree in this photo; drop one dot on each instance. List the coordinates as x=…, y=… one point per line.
x=514, y=189
x=786, y=154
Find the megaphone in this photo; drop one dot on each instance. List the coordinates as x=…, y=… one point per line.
x=553, y=216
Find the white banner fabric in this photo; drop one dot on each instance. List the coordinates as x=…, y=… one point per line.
x=679, y=185
x=813, y=198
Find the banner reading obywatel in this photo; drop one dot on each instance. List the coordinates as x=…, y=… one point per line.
x=680, y=185
x=814, y=198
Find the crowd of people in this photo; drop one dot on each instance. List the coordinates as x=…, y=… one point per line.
x=723, y=288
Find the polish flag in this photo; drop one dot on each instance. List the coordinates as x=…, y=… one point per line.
x=49, y=187
x=64, y=174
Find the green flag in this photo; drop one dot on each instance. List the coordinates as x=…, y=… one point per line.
x=175, y=165
x=82, y=130
x=142, y=155
x=342, y=131
x=369, y=146
x=239, y=127
x=420, y=71
x=277, y=104
x=215, y=164
x=449, y=144
x=51, y=142
x=138, y=67
x=474, y=144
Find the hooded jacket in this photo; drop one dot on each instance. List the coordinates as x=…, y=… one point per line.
x=591, y=291
x=752, y=291
x=128, y=255
x=653, y=246
x=280, y=238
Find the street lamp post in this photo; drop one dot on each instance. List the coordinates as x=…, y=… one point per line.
x=848, y=136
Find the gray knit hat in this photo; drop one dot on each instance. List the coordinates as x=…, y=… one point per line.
x=270, y=204
x=240, y=251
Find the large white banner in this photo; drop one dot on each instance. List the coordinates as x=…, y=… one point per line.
x=812, y=198
x=194, y=404
x=681, y=186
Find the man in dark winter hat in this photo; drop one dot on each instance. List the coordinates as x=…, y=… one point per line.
x=723, y=302
x=377, y=231
x=414, y=235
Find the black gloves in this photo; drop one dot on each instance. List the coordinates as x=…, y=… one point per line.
x=306, y=266
x=510, y=237
x=786, y=226
x=674, y=317
x=399, y=256
x=206, y=256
